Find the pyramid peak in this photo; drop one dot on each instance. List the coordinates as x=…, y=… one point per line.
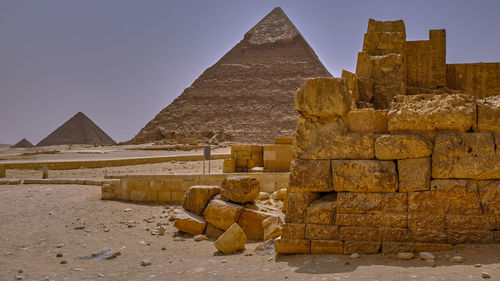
x=24, y=143
x=274, y=27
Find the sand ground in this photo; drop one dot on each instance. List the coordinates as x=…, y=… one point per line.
x=37, y=222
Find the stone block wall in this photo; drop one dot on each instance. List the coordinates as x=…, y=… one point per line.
x=423, y=175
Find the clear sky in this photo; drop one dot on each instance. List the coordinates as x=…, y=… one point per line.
x=122, y=61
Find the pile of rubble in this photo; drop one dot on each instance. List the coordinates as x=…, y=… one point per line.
x=232, y=213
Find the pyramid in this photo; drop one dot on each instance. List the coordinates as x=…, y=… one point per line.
x=24, y=143
x=77, y=130
x=247, y=96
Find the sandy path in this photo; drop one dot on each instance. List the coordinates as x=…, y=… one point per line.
x=36, y=218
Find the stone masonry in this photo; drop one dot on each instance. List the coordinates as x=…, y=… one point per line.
x=421, y=175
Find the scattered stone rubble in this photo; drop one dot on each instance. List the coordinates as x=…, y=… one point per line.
x=230, y=213
x=419, y=173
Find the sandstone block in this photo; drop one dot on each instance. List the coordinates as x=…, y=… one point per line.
x=450, y=197
x=294, y=231
x=402, y=146
x=371, y=220
x=352, y=84
x=322, y=232
x=348, y=233
x=397, y=247
x=414, y=174
x=453, y=112
x=196, y=197
x=240, y=189
x=470, y=237
x=365, y=88
x=279, y=195
x=232, y=240
x=222, y=214
x=489, y=193
x=300, y=201
x=424, y=235
x=386, y=26
x=488, y=114
x=283, y=140
x=466, y=155
x=361, y=247
x=311, y=175
x=394, y=234
x=432, y=247
x=272, y=227
x=372, y=203
x=190, y=223
x=315, y=140
x=383, y=43
x=251, y=223
x=292, y=246
x=229, y=166
x=327, y=247
x=213, y=232
x=367, y=120
x=323, y=98
x=322, y=210
x=427, y=221
x=470, y=222
x=364, y=176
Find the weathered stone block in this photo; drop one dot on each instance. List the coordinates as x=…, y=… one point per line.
x=470, y=237
x=348, y=233
x=240, y=189
x=327, y=247
x=467, y=155
x=314, y=140
x=294, y=231
x=292, y=246
x=222, y=214
x=489, y=193
x=383, y=43
x=397, y=247
x=365, y=87
x=427, y=221
x=232, y=240
x=311, y=175
x=424, y=235
x=272, y=226
x=394, y=234
x=372, y=203
x=449, y=197
x=367, y=120
x=386, y=26
x=402, y=146
x=364, y=176
x=323, y=98
x=453, y=112
x=299, y=202
x=371, y=220
x=322, y=210
x=190, y=223
x=488, y=114
x=213, y=232
x=470, y=222
x=361, y=247
x=414, y=174
x=196, y=197
x=322, y=232
x=229, y=166
x=432, y=247
x=251, y=223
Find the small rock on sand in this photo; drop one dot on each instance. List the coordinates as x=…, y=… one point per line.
x=485, y=274
x=477, y=265
x=457, y=259
x=354, y=256
x=405, y=256
x=200, y=237
x=145, y=262
x=427, y=256
x=431, y=263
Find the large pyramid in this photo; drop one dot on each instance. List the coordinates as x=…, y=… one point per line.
x=24, y=143
x=247, y=95
x=77, y=130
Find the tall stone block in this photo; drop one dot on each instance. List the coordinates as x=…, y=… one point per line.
x=488, y=114
x=364, y=176
x=414, y=174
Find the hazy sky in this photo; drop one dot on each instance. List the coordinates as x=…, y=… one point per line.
x=122, y=61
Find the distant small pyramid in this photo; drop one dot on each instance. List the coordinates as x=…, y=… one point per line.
x=247, y=95
x=24, y=143
x=77, y=130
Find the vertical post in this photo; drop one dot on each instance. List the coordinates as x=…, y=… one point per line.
x=45, y=171
x=3, y=174
x=206, y=156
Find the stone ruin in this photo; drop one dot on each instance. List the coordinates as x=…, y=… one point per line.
x=402, y=156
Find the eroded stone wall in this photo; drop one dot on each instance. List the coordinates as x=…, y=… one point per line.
x=423, y=175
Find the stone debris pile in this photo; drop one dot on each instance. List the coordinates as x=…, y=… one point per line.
x=230, y=213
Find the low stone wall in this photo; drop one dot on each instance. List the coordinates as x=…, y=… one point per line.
x=54, y=181
x=271, y=157
x=171, y=188
x=100, y=163
x=422, y=176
